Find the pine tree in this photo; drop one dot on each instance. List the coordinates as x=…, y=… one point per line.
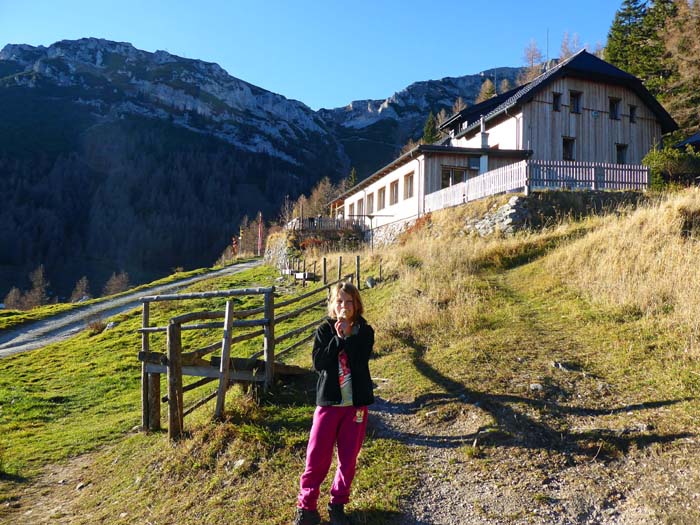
x=487, y=91
x=352, y=178
x=626, y=35
x=680, y=36
x=38, y=295
x=532, y=58
x=13, y=299
x=117, y=283
x=82, y=289
x=459, y=105
x=430, y=131
x=504, y=86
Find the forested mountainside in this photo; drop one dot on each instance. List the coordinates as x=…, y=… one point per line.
x=117, y=159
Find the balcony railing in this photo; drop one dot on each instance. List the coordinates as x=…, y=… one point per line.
x=530, y=175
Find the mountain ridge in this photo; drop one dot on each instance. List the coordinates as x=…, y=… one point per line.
x=124, y=155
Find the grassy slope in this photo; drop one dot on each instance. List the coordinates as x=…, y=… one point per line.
x=451, y=353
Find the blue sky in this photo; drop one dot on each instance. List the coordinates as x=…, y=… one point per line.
x=324, y=53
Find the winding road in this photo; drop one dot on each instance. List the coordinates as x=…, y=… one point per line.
x=61, y=326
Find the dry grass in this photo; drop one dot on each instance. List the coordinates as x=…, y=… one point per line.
x=643, y=263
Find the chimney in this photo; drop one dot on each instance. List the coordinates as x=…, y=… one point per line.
x=484, y=160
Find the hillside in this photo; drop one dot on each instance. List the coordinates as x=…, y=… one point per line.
x=549, y=377
x=117, y=159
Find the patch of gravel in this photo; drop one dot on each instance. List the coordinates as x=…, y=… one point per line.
x=510, y=482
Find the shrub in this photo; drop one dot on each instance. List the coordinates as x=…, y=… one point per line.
x=672, y=166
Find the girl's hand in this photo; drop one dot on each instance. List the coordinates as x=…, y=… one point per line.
x=342, y=326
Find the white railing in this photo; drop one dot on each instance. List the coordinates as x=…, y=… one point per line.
x=500, y=180
x=530, y=175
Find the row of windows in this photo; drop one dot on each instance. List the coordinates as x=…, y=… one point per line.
x=381, y=197
x=569, y=149
x=576, y=98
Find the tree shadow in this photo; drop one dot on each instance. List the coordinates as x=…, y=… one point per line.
x=515, y=427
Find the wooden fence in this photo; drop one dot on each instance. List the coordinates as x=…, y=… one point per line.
x=529, y=175
x=224, y=369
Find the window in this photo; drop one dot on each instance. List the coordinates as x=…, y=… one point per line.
x=556, y=101
x=614, y=108
x=360, y=207
x=445, y=178
x=408, y=186
x=568, y=148
x=450, y=176
x=370, y=203
x=381, y=199
x=393, y=192
x=633, y=114
x=474, y=163
x=621, y=153
x=575, y=101
x=351, y=212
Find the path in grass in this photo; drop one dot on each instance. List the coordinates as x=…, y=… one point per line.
x=525, y=425
x=62, y=326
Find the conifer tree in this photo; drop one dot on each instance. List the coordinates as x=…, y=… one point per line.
x=504, y=86
x=430, y=131
x=680, y=36
x=626, y=35
x=118, y=282
x=13, y=299
x=352, y=178
x=487, y=91
x=82, y=289
x=38, y=294
x=532, y=58
x=459, y=105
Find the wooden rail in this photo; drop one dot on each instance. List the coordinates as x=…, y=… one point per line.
x=529, y=175
x=226, y=370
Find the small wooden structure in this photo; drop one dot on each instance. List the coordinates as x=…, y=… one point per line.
x=177, y=363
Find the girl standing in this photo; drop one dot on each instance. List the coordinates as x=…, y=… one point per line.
x=342, y=346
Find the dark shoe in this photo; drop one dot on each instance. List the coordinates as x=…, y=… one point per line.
x=306, y=517
x=336, y=512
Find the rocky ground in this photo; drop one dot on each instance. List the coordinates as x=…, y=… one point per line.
x=469, y=477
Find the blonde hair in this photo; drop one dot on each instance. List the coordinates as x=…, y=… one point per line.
x=353, y=292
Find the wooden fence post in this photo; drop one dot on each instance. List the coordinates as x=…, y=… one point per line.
x=153, y=380
x=303, y=274
x=269, y=341
x=357, y=270
x=225, y=361
x=145, y=410
x=325, y=275
x=340, y=267
x=175, y=409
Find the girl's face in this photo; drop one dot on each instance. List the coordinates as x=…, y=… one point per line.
x=344, y=306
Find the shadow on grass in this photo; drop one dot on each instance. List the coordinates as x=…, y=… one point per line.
x=14, y=478
x=515, y=428
x=376, y=517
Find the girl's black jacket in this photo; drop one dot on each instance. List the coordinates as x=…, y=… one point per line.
x=327, y=345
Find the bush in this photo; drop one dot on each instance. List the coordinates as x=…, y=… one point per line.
x=672, y=166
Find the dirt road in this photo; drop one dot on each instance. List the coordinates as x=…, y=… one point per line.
x=61, y=326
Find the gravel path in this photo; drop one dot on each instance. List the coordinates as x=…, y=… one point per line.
x=56, y=328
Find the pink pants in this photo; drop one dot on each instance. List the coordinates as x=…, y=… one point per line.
x=332, y=425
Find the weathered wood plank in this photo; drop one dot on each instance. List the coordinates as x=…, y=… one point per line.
x=174, y=370
x=208, y=295
x=224, y=366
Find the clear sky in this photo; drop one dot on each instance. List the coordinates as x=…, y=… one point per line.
x=324, y=53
